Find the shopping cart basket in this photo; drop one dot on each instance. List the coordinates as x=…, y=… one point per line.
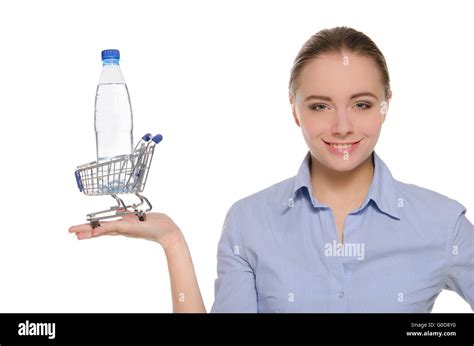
x=124, y=174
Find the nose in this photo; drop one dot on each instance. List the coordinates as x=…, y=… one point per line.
x=342, y=124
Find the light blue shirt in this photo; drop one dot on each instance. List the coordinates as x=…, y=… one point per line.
x=279, y=251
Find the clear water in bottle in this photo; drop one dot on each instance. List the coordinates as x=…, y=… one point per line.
x=113, y=116
x=113, y=110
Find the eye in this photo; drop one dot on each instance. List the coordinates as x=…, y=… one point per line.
x=362, y=105
x=318, y=107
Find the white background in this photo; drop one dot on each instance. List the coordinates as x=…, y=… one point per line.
x=212, y=77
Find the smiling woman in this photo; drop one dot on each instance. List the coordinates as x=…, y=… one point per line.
x=342, y=235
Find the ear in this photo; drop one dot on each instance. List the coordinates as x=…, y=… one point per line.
x=385, y=105
x=293, y=110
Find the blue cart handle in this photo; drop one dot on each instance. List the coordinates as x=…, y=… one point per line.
x=157, y=139
x=79, y=181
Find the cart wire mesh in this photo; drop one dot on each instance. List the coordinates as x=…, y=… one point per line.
x=124, y=174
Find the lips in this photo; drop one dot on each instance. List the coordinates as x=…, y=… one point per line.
x=342, y=147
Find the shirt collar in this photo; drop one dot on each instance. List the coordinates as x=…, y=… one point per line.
x=382, y=189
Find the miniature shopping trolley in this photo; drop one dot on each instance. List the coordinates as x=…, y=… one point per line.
x=124, y=174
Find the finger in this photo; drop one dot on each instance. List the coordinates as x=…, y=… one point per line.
x=90, y=235
x=80, y=228
x=83, y=235
x=111, y=227
x=97, y=235
x=86, y=227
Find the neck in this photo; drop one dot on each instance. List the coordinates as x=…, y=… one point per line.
x=341, y=189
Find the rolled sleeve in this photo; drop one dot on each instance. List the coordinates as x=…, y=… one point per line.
x=235, y=284
x=460, y=274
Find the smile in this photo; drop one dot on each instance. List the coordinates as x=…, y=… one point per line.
x=342, y=147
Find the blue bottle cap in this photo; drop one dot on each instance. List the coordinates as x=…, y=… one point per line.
x=110, y=54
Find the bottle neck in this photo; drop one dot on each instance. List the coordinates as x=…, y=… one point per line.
x=111, y=74
x=110, y=62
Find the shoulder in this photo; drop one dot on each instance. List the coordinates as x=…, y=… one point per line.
x=254, y=217
x=427, y=202
x=269, y=197
x=257, y=209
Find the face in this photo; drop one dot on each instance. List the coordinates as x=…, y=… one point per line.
x=340, y=106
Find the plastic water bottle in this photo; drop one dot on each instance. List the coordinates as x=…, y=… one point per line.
x=113, y=110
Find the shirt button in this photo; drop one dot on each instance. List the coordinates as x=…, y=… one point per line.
x=291, y=203
x=340, y=294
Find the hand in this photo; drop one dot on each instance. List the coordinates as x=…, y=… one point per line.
x=157, y=227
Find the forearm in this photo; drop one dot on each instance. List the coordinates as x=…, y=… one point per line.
x=185, y=291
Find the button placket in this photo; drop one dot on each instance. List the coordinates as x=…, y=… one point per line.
x=352, y=229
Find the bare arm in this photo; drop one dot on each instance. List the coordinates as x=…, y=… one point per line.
x=185, y=291
x=158, y=227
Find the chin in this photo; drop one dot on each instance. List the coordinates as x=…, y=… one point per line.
x=337, y=163
x=343, y=166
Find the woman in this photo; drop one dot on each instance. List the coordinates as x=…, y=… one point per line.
x=340, y=236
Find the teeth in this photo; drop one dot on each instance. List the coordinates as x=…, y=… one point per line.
x=341, y=146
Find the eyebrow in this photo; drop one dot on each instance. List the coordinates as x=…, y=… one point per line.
x=327, y=98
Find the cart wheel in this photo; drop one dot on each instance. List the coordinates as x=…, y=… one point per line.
x=142, y=216
x=95, y=224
